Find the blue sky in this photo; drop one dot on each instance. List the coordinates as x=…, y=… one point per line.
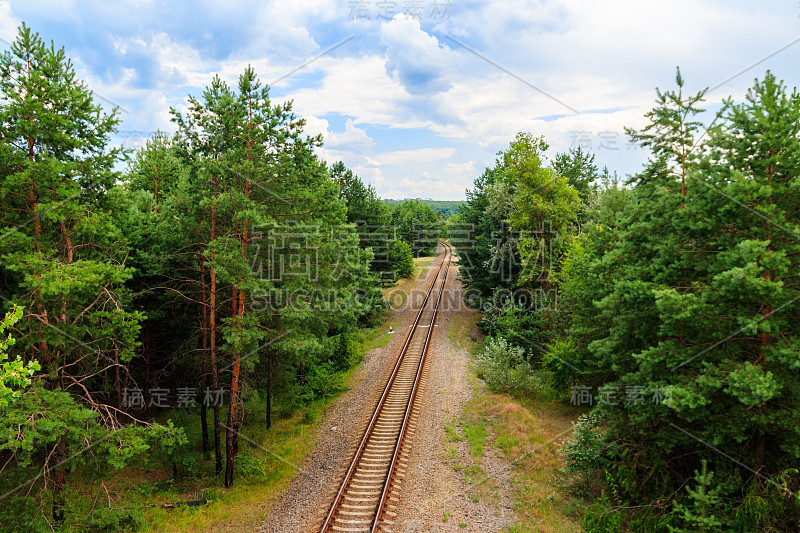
x=419, y=95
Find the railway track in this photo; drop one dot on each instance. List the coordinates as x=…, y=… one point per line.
x=366, y=497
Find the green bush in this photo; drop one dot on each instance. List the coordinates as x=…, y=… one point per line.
x=321, y=381
x=344, y=351
x=600, y=517
x=588, y=450
x=504, y=368
x=401, y=259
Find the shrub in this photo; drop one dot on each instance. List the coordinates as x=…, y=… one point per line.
x=504, y=368
x=587, y=451
x=401, y=259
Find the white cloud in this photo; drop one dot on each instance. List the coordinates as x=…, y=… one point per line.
x=400, y=77
x=178, y=62
x=448, y=183
x=315, y=126
x=8, y=23
x=427, y=185
x=352, y=139
x=414, y=58
x=420, y=156
x=353, y=86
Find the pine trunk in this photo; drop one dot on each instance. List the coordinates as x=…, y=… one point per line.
x=203, y=362
x=146, y=364
x=269, y=389
x=212, y=311
x=230, y=448
x=59, y=481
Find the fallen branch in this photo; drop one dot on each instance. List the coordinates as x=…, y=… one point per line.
x=195, y=503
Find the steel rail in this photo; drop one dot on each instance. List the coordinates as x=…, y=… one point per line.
x=410, y=407
x=359, y=452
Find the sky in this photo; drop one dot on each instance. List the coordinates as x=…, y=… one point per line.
x=417, y=97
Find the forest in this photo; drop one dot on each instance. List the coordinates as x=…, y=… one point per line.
x=666, y=305
x=224, y=272
x=156, y=302
x=448, y=208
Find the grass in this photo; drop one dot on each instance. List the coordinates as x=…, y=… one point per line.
x=475, y=432
x=397, y=294
x=462, y=331
x=377, y=337
x=528, y=433
x=451, y=431
x=265, y=467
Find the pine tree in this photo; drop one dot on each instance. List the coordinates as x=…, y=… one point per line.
x=671, y=133
x=691, y=295
x=62, y=258
x=580, y=170
x=277, y=230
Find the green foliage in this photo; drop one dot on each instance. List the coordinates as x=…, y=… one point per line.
x=587, y=451
x=683, y=286
x=373, y=219
x=63, y=260
x=401, y=258
x=105, y=519
x=580, y=170
x=600, y=517
x=15, y=375
x=488, y=259
x=157, y=168
x=322, y=381
x=504, y=368
x=671, y=133
x=705, y=500
x=344, y=351
x=418, y=225
x=511, y=236
x=447, y=208
x=42, y=419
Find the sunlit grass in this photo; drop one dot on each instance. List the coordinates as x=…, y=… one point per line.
x=528, y=433
x=397, y=294
x=267, y=462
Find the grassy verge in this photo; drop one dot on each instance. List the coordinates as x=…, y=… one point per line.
x=396, y=295
x=463, y=333
x=267, y=461
x=528, y=433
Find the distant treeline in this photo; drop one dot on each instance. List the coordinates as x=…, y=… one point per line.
x=447, y=208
